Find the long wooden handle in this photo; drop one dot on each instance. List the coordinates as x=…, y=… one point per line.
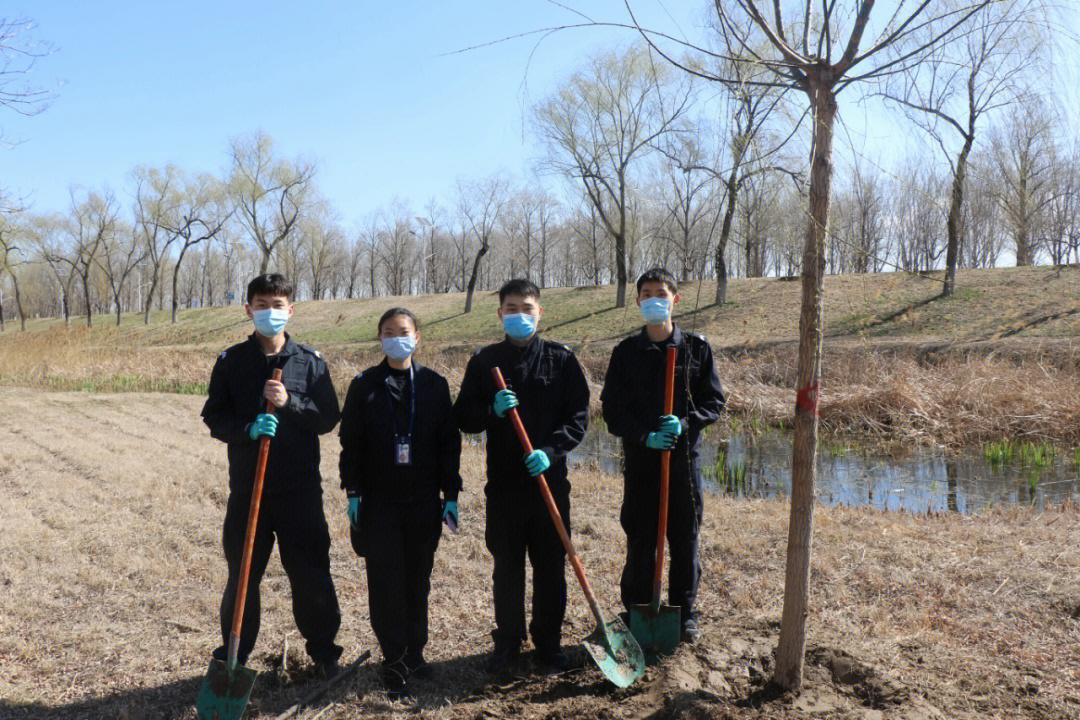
x=665, y=479
x=249, y=537
x=556, y=517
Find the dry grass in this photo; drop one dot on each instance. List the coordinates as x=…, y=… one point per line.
x=111, y=569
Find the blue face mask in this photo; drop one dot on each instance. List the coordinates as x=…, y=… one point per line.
x=519, y=326
x=398, y=348
x=270, y=322
x=656, y=310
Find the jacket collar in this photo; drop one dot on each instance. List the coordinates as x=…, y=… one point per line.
x=290, y=347
x=384, y=367
x=531, y=348
x=676, y=338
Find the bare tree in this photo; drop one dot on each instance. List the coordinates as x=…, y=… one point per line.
x=1025, y=157
x=820, y=49
x=958, y=84
x=11, y=257
x=480, y=204
x=91, y=224
x=606, y=117
x=19, y=53
x=121, y=252
x=201, y=213
x=271, y=194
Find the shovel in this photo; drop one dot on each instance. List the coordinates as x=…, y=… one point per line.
x=657, y=627
x=611, y=645
x=227, y=685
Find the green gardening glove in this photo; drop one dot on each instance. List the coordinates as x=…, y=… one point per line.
x=660, y=441
x=265, y=424
x=450, y=511
x=537, y=462
x=504, y=400
x=354, y=512
x=670, y=424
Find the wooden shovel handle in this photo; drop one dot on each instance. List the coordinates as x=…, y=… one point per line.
x=556, y=517
x=249, y=536
x=665, y=479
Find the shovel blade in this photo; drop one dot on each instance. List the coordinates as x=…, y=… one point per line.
x=616, y=653
x=224, y=693
x=657, y=629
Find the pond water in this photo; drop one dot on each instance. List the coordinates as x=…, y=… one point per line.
x=926, y=479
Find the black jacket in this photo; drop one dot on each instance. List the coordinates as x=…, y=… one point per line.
x=633, y=397
x=553, y=397
x=367, y=462
x=235, y=398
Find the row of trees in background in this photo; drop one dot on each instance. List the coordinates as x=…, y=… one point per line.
x=638, y=167
x=180, y=240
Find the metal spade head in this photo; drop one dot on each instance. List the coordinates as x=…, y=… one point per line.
x=224, y=693
x=616, y=653
x=657, y=629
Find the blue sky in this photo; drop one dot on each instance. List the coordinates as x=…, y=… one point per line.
x=362, y=87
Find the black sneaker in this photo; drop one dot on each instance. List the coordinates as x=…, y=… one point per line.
x=500, y=661
x=394, y=679
x=417, y=667
x=690, y=632
x=554, y=659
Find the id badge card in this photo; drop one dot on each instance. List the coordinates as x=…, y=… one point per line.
x=403, y=452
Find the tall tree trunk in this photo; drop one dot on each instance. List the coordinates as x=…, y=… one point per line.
x=956, y=205
x=265, y=263
x=116, y=297
x=475, y=272
x=67, y=308
x=150, y=296
x=725, y=235
x=620, y=270
x=790, y=653
x=175, y=282
x=18, y=303
x=86, y=294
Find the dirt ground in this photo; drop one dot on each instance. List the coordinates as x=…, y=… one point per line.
x=111, y=572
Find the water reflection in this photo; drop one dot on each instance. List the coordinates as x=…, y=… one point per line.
x=923, y=480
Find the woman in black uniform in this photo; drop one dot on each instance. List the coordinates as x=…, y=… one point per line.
x=400, y=449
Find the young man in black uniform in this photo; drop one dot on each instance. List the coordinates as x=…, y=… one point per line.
x=292, y=508
x=548, y=382
x=633, y=402
x=400, y=448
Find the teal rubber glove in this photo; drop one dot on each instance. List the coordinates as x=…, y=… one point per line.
x=504, y=400
x=537, y=462
x=265, y=424
x=354, y=512
x=670, y=424
x=449, y=509
x=660, y=441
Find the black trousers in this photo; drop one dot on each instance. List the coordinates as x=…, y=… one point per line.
x=296, y=520
x=519, y=525
x=400, y=542
x=639, y=517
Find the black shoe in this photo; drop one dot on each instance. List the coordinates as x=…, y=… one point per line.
x=690, y=632
x=394, y=679
x=501, y=660
x=555, y=659
x=323, y=671
x=417, y=667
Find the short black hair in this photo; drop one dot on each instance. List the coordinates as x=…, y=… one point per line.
x=270, y=284
x=396, y=312
x=519, y=286
x=658, y=274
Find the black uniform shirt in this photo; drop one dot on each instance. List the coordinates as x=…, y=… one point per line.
x=235, y=398
x=553, y=397
x=368, y=453
x=633, y=394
